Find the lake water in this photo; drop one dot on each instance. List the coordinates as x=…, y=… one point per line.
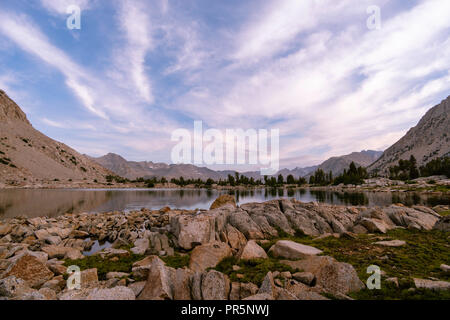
x=51, y=203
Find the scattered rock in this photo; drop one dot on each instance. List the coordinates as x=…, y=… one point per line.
x=116, y=293
x=392, y=243
x=432, y=285
x=292, y=250
x=331, y=275
x=252, y=251
x=158, y=285
x=208, y=255
x=445, y=268
x=268, y=286
x=304, y=277
x=393, y=280
x=89, y=278
x=215, y=286
x=30, y=269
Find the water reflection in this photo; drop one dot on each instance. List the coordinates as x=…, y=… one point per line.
x=51, y=203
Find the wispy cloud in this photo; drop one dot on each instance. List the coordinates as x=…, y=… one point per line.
x=311, y=68
x=135, y=24
x=60, y=6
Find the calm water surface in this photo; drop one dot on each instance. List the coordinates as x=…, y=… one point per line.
x=51, y=203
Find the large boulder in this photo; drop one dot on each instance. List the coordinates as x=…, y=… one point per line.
x=223, y=200
x=292, y=250
x=269, y=217
x=208, y=255
x=141, y=268
x=268, y=286
x=12, y=286
x=241, y=220
x=215, y=286
x=235, y=239
x=30, y=269
x=159, y=282
x=60, y=252
x=252, y=251
x=89, y=278
x=182, y=279
x=193, y=229
x=333, y=276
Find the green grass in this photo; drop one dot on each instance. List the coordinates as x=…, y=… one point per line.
x=253, y=270
x=389, y=291
x=124, y=264
x=177, y=261
x=445, y=213
x=422, y=256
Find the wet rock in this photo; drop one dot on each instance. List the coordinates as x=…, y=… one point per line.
x=292, y=250
x=208, y=255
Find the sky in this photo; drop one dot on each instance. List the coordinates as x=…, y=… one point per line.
x=138, y=70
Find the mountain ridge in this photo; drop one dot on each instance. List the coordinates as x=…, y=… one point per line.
x=429, y=139
x=28, y=155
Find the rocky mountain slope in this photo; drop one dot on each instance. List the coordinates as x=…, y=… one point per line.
x=429, y=139
x=338, y=164
x=28, y=156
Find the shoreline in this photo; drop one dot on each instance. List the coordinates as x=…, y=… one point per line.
x=222, y=246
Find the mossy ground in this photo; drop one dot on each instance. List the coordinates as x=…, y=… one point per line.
x=421, y=257
x=445, y=213
x=177, y=261
x=123, y=264
x=252, y=270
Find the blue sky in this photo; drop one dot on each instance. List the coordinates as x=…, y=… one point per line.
x=137, y=70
